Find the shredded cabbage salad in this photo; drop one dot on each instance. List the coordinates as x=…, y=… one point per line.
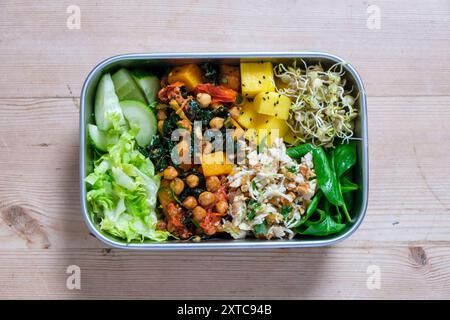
x=122, y=192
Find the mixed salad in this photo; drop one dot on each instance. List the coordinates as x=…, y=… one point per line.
x=214, y=150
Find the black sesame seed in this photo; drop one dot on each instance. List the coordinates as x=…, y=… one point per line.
x=276, y=114
x=264, y=77
x=267, y=121
x=243, y=84
x=259, y=81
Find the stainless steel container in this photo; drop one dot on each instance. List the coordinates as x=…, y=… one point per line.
x=164, y=59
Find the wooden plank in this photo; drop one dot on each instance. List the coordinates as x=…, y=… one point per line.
x=41, y=57
x=409, y=187
x=329, y=273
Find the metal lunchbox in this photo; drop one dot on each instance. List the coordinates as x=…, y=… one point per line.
x=165, y=59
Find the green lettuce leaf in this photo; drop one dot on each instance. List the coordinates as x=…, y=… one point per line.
x=122, y=192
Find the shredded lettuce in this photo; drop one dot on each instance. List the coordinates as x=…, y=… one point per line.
x=122, y=192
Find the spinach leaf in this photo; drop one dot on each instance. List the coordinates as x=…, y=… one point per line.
x=344, y=158
x=326, y=177
x=324, y=228
x=311, y=208
x=347, y=185
x=300, y=150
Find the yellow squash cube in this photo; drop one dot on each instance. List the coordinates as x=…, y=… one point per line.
x=290, y=138
x=272, y=128
x=256, y=77
x=215, y=164
x=249, y=118
x=273, y=104
x=190, y=74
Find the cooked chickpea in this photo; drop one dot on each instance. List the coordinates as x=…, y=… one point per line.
x=206, y=198
x=222, y=206
x=204, y=100
x=234, y=112
x=212, y=183
x=216, y=123
x=190, y=202
x=177, y=185
x=170, y=173
x=198, y=214
x=192, y=180
x=161, y=126
x=161, y=115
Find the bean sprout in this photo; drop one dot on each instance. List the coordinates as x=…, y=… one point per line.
x=322, y=107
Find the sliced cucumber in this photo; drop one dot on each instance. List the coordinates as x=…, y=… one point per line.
x=126, y=87
x=108, y=113
x=149, y=84
x=101, y=140
x=140, y=116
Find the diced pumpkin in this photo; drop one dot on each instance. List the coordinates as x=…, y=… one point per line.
x=273, y=104
x=190, y=74
x=229, y=76
x=215, y=164
x=256, y=77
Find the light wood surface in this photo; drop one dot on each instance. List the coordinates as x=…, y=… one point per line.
x=405, y=66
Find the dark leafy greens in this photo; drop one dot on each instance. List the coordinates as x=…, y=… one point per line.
x=334, y=198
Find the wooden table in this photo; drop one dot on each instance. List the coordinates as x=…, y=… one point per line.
x=402, y=250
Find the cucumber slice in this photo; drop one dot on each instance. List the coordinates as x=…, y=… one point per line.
x=140, y=116
x=101, y=140
x=126, y=87
x=149, y=84
x=108, y=113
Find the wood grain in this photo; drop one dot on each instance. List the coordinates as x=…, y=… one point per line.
x=405, y=68
x=330, y=273
x=43, y=58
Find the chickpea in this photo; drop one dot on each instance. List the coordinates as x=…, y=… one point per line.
x=234, y=112
x=212, y=183
x=170, y=173
x=222, y=206
x=177, y=185
x=161, y=115
x=192, y=180
x=198, y=214
x=204, y=100
x=216, y=123
x=161, y=126
x=206, y=199
x=190, y=202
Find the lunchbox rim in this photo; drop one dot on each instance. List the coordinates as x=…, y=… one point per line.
x=232, y=244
